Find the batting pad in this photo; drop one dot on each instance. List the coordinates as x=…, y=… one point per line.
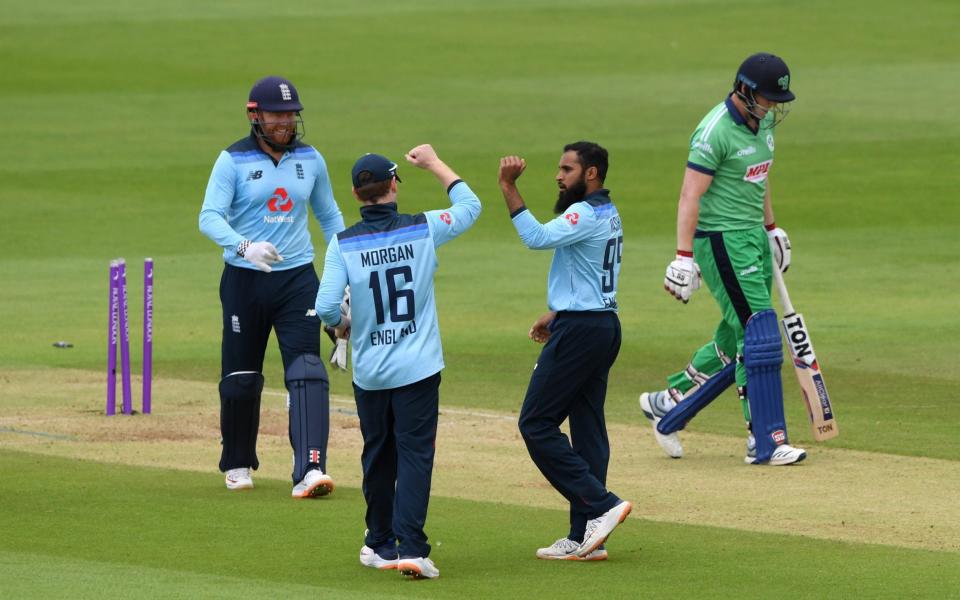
x=677, y=418
x=762, y=357
x=309, y=388
x=240, y=419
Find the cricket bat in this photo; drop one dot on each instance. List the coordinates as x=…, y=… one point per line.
x=822, y=420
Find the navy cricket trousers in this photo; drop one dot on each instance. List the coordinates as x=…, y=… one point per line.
x=570, y=382
x=253, y=302
x=399, y=427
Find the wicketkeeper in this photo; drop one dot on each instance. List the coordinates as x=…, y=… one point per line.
x=255, y=208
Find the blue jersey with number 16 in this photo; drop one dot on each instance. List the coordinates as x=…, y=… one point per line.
x=388, y=259
x=588, y=238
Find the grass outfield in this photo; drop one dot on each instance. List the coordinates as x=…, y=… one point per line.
x=116, y=112
x=160, y=533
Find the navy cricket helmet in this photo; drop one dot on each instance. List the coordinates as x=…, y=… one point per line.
x=766, y=74
x=274, y=94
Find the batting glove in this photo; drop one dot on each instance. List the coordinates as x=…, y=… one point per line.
x=682, y=278
x=261, y=255
x=780, y=244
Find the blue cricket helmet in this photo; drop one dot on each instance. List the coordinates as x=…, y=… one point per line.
x=766, y=74
x=274, y=94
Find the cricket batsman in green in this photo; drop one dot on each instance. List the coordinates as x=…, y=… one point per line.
x=725, y=229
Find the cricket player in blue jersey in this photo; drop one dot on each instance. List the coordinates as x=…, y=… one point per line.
x=389, y=259
x=255, y=208
x=582, y=336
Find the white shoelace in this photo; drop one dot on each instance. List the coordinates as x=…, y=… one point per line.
x=566, y=545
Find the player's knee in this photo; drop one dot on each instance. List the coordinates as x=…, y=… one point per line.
x=241, y=386
x=306, y=367
x=762, y=346
x=533, y=429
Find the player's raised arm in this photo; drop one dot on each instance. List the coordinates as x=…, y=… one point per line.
x=446, y=224
x=535, y=235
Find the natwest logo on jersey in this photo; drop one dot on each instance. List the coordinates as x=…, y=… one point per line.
x=279, y=202
x=758, y=173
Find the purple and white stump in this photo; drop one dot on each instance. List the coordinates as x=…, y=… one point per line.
x=147, y=332
x=112, y=327
x=125, y=341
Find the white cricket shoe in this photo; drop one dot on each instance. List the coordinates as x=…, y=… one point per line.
x=599, y=554
x=600, y=528
x=784, y=454
x=315, y=483
x=418, y=568
x=369, y=558
x=654, y=406
x=566, y=549
x=239, y=479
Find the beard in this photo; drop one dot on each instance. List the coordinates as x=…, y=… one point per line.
x=570, y=195
x=281, y=137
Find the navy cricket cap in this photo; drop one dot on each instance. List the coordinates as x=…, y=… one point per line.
x=767, y=75
x=274, y=94
x=373, y=168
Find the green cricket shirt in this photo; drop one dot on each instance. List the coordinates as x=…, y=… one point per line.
x=739, y=160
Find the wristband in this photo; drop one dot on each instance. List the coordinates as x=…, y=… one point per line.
x=685, y=253
x=770, y=227
x=242, y=248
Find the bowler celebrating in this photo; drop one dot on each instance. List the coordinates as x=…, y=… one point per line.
x=582, y=335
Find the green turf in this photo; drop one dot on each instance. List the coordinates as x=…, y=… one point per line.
x=115, y=112
x=119, y=110
x=85, y=529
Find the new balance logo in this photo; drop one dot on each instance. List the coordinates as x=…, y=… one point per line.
x=254, y=175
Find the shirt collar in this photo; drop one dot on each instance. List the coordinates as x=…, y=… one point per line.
x=736, y=116
x=601, y=196
x=378, y=212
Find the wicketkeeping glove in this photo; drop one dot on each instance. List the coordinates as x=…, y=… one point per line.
x=261, y=255
x=339, y=355
x=781, y=247
x=682, y=278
